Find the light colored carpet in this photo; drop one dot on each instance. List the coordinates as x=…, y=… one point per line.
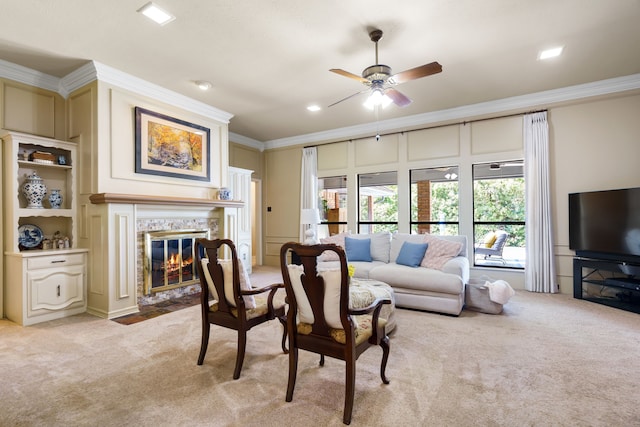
x=549, y=360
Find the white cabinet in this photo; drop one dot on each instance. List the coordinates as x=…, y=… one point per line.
x=45, y=271
x=45, y=286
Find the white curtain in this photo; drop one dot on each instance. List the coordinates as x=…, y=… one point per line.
x=540, y=272
x=309, y=184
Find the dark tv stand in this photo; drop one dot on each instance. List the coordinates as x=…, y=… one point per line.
x=607, y=282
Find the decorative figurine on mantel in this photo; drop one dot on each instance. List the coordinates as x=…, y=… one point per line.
x=224, y=194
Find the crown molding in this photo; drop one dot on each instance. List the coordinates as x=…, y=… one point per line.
x=94, y=70
x=77, y=79
x=522, y=103
x=244, y=140
x=28, y=76
x=126, y=81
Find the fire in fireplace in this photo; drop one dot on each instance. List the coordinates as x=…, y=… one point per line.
x=169, y=257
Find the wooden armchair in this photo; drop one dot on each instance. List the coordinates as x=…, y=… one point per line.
x=319, y=318
x=238, y=308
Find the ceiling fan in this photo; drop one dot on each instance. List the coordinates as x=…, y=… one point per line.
x=380, y=81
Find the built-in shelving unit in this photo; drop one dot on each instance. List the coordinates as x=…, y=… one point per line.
x=48, y=280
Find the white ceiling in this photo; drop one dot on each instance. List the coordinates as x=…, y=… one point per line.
x=269, y=59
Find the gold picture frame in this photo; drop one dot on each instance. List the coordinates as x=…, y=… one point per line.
x=167, y=146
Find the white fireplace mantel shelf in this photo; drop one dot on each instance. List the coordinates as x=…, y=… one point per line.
x=137, y=199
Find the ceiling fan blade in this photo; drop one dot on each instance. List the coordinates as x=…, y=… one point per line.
x=399, y=99
x=416, y=73
x=348, y=97
x=348, y=74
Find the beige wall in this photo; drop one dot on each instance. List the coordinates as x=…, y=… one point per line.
x=454, y=145
x=100, y=118
x=28, y=109
x=83, y=129
x=102, y=121
x=116, y=148
x=594, y=145
x=241, y=156
x=281, y=192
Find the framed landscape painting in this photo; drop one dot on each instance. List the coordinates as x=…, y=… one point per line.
x=171, y=147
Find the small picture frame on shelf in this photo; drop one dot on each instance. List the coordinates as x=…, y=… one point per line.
x=62, y=160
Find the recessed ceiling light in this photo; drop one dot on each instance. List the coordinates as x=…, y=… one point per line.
x=314, y=108
x=155, y=13
x=551, y=53
x=203, y=85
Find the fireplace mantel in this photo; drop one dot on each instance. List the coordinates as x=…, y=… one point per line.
x=137, y=199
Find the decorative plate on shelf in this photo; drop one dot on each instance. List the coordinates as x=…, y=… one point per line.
x=30, y=235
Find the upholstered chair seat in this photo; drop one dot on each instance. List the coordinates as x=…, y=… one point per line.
x=261, y=308
x=362, y=332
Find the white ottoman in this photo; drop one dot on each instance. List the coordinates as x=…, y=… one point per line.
x=363, y=292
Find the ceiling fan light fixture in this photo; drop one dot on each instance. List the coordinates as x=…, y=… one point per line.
x=377, y=98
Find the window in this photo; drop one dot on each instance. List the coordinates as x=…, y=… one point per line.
x=378, y=202
x=499, y=214
x=333, y=204
x=434, y=200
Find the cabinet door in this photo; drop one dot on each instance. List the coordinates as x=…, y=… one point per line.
x=55, y=289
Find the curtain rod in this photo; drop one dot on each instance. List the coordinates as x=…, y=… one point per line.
x=465, y=122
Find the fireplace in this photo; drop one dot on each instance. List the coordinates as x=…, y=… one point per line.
x=169, y=259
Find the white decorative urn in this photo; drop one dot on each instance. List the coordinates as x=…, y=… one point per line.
x=34, y=190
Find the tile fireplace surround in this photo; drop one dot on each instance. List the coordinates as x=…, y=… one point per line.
x=157, y=213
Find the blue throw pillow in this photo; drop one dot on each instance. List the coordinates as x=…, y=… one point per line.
x=411, y=254
x=357, y=249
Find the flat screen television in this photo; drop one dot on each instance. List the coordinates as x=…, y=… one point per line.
x=606, y=224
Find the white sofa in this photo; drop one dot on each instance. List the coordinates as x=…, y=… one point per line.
x=439, y=288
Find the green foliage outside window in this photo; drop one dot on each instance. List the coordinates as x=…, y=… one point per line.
x=444, y=201
x=384, y=208
x=500, y=200
x=495, y=200
x=444, y=207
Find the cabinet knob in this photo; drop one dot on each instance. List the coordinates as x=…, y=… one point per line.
x=58, y=290
x=58, y=261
